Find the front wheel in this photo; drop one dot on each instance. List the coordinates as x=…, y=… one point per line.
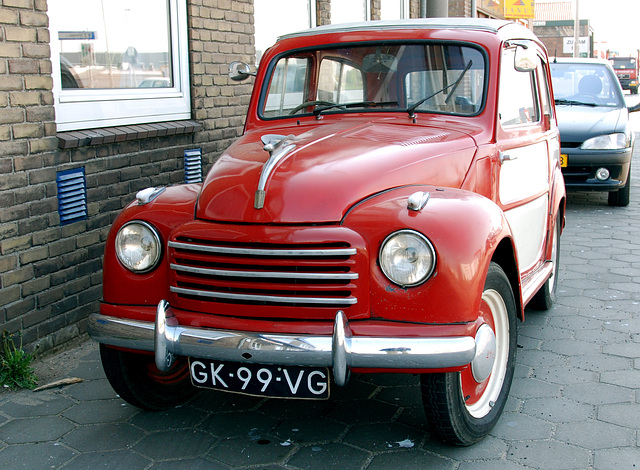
x=463, y=407
x=138, y=381
x=621, y=197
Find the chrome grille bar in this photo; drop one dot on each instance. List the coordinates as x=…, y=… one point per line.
x=265, y=274
x=226, y=250
x=266, y=298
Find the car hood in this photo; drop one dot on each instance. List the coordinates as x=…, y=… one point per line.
x=328, y=168
x=579, y=123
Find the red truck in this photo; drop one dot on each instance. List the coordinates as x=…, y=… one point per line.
x=627, y=71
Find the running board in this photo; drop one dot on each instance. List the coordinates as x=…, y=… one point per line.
x=534, y=282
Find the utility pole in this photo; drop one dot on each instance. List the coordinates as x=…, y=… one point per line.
x=576, y=32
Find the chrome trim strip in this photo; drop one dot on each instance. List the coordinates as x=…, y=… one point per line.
x=267, y=298
x=225, y=250
x=341, y=351
x=264, y=274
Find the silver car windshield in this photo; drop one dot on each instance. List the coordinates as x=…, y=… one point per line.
x=590, y=84
x=427, y=78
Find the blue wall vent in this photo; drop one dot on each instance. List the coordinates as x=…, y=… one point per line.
x=193, y=166
x=72, y=195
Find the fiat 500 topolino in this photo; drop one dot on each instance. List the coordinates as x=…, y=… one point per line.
x=394, y=203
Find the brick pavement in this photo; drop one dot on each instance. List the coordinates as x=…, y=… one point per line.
x=574, y=404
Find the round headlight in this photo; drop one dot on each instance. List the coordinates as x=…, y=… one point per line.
x=138, y=246
x=407, y=258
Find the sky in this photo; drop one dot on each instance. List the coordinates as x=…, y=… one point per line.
x=615, y=21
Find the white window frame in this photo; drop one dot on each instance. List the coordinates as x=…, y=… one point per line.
x=404, y=9
x=78, y=109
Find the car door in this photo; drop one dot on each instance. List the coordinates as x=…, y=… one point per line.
x=524, y=143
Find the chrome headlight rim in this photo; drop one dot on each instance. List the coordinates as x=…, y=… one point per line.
x=155, y=236
x=614, y=141
x=428, y=245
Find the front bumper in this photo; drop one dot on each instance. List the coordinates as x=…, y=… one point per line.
x=580, y=174
x=341, y=351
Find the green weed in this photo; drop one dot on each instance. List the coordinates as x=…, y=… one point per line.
x=15, y=364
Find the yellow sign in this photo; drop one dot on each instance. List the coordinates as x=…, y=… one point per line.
x=495, y=7
x=514, y=9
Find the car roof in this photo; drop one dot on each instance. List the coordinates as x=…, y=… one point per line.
x=578, y=60
x=470, y=24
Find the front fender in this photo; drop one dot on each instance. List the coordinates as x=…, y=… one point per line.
x=465, y=229
x=173, y=207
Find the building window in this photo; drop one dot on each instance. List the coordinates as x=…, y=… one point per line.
x=349, y=12
x=269, y=24
x=394, y=9
x=120, y=62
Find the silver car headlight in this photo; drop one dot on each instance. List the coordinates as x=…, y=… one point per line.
x=407, y=258
x=615, y=141
x=138, y=246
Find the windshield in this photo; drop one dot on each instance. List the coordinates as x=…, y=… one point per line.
x=623, y=62
x=415, y=78
x=591, y=84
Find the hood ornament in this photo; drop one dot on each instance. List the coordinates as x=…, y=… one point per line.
x=278, y=147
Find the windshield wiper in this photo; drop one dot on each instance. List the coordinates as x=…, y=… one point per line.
x=359, y=104
x=411, y=109
x=574, y=103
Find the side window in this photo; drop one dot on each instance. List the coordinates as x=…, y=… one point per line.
x=287, y=87
x=545, y=93
x=340, y=83
x=518, y=103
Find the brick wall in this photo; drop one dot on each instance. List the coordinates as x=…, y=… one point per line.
x=50, y=275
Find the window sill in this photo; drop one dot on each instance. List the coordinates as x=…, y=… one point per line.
x=109, y=135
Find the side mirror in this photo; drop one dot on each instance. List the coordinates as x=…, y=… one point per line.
x=239, y=71
x=526, y=58
x=634, y=108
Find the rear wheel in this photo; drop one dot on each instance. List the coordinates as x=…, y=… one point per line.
x=138, y=381
x=463, y=407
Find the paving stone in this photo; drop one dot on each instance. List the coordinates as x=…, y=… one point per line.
x=383, y=436
x=175, y=445
x=333, y=455
x=363, y=412
x=489, y=448
x=238, y=424
x=101, y=437
x=620, y=459
x=570, y=347
x=531, y=388
x=564, y=375
x=114, y=460
x=624, y=378
x=549, y=455
x=518, y=426
x=28, y=404
x=35, y=456
x=191, y=464
x=599, y=393
x=239, y=452
x=175, y=418
x=307, y=430
x=558, y=410
x=91, y=390
x=100, y=411
x=35, y=429
x=599, y=362
x=410, y=460
x=595, y=435
x=627, y=415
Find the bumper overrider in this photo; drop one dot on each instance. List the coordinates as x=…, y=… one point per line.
x=341, y=351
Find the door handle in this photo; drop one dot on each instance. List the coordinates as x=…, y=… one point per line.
x=505, y=157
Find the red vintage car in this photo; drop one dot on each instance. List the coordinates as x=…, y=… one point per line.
x=393, y=205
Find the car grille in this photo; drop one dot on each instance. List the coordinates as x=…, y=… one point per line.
x=311, y=280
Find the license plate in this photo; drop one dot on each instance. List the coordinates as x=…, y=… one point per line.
x=261, y=380
x=564, y=160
